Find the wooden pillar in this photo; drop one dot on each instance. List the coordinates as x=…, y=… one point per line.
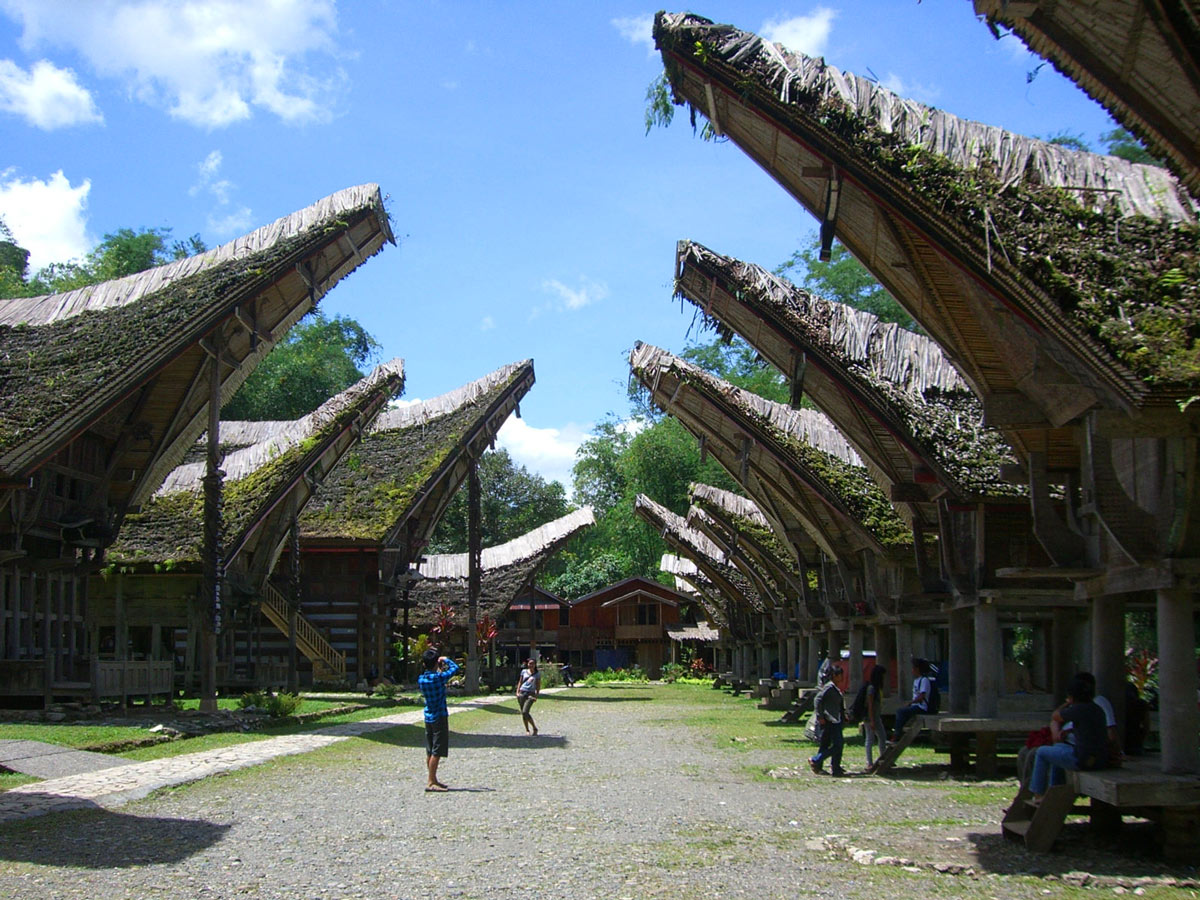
x=988, y=665
x=1062, y=665
x=1108, y=652
x=1039, y=672
x=214, y=564
x=47, y=643
x=904, y=658
x=120, y=634
x=885, y=650
x=791, y=657
x=856, y=659
x=474, y=579
x=293, y=673
x=4, y=614
x=960, y=661
x=1178, y=720
x=813, y=643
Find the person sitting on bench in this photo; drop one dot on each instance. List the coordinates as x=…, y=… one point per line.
x=921, y=690
x=1089, y=749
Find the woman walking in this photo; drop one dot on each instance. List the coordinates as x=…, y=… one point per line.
x=529, y=685
x=876, y=734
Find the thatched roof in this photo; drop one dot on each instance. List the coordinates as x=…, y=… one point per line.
x=276, y=475
x=701, y=631
x=1092, y=258
x=398, y=481
x=892, y=392
x=786, y=459
x=691, y=581
x=124, y=358
x=506, y=572
x=708, y=557
x=1138, y=59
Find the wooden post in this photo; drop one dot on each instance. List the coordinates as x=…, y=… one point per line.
x=1178, y=720
x=121, y=636
x=904, y=658
x=293, y=679
x=47, y=643
x=856, y=659
x=987, y=659
x=960, y=661
x=210, y=608
x=813, y=643
x=791, y=657
x=1108, y=652
x=474, y=559
x=885, y=650
x=1061, y=654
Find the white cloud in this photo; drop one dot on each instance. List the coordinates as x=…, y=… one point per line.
x=550, y=452
x=487, y=323
x=46, y=96
x=803, y=34
x=914, y=91
x=47, y=218
x=223, y=221
x=209, y=62
x=637, y=29
x=232, y=223
x=576, y=298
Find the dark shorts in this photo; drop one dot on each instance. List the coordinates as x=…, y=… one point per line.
x=526, y=703
x=437, y=737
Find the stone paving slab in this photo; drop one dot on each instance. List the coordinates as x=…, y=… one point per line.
x=52, y=761
x=115, y=786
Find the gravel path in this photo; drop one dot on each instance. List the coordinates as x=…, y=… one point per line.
x=614, y=799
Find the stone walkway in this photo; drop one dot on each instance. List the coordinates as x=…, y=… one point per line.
x=52, y=761
x=120, y=781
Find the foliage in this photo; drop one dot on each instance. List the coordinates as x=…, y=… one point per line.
x=597, y=473
x=386, y=690
x=738, y=363
x=583, y=575
x=277, y=706
x=603, y=676
x=1120, y=142
x=318, y=358
x=1142, y=669
x=844, y=279
x=659, y=108
x=671, y=672
x=120, y=253
x=551, y=676
x=485, y=632
x=513, y=502
x=699, y=668
x=1022, y=648
x=443, y=624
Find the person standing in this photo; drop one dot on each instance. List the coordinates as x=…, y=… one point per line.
x=432, y=682
x=830, y=713
x=873, y=730
x=529, y=685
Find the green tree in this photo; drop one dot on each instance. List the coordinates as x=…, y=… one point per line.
x=581, y=576
x=597, y=475
x=513, y=502
x=123, y=252
x=845, y=280
x=1122, y=143
x=317, y=359
x=738, y=363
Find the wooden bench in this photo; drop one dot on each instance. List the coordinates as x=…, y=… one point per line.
x=986, y=732
x=1138, y=788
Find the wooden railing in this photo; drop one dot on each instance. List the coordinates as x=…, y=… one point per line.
x=327, y=660
x=114, y=678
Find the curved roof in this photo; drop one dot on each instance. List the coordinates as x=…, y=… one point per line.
x=505, y=570
x=396, y=484
x=1055, y=280
x=892, y=392
x=264, y=485
x=123, y=365
x=798, y=467
x=690, y=580
x=1139, y=58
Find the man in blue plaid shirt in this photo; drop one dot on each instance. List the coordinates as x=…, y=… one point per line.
x=432, y=682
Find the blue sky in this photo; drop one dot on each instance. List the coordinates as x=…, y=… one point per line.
x=534, y=216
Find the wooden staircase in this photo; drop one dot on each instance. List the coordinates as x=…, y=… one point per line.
x=1038, y=826
x=891, y=752
x=329, y=664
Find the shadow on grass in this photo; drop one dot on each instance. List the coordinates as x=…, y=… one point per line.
x=1135, y=851
x=91, y=837
x=592, y=698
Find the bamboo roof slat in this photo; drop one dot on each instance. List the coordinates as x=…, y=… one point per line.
x=125, y=355
x=1138, y=59
x=409, y=464
x=892, y=392
x=450, y=566
x=169, y=528
x=953, y=216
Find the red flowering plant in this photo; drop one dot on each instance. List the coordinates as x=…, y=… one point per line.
x=443, y=624
x=485, y=633
x=1142, y=669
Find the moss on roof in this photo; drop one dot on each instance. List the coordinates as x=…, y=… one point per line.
x=1131, y=282
x=47, y=370
x=906, y=373
x=381, y=479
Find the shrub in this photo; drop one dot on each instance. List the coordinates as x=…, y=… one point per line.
x=387, y=690
x=602, y=676
x=672, y=672
x=551, y=676
x=282, y=705
x=255, y=700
